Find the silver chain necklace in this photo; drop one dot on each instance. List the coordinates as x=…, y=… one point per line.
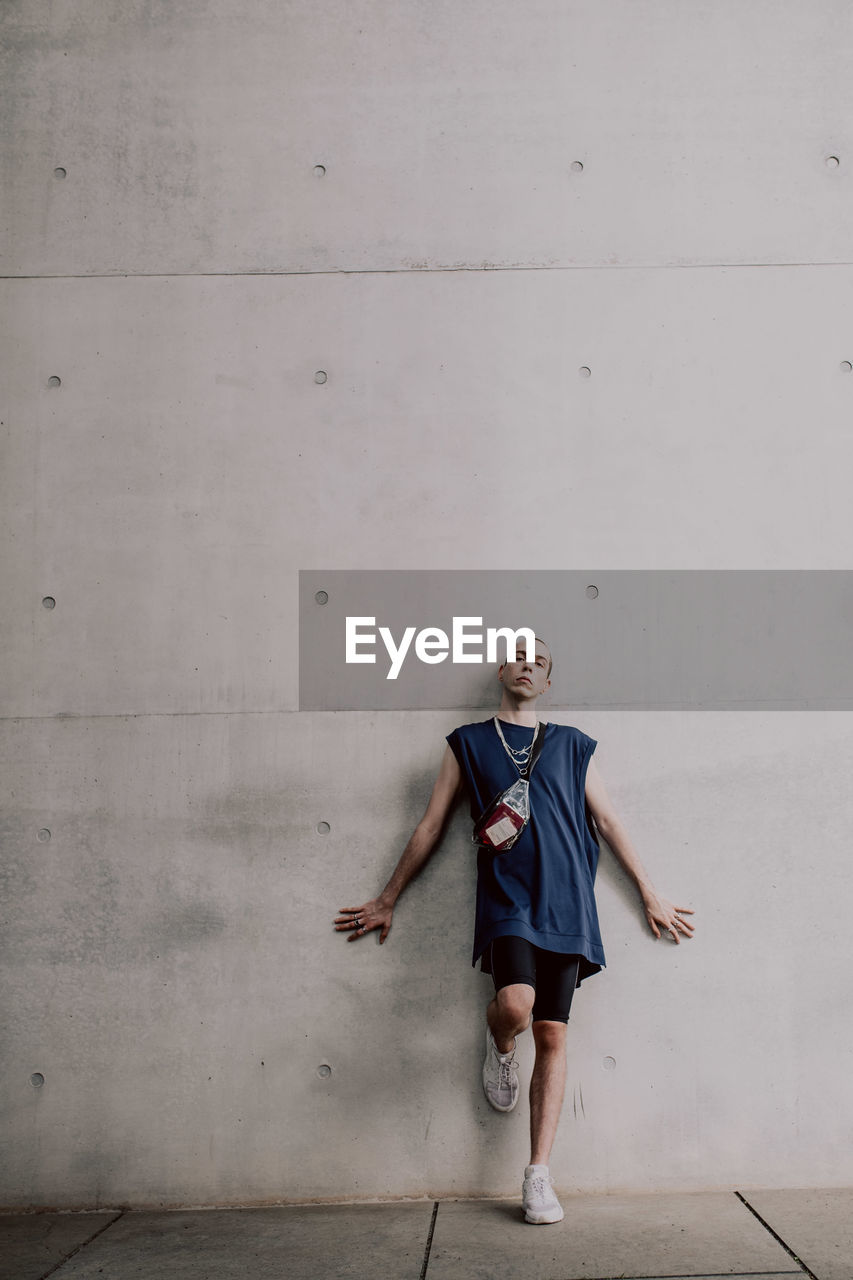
x=518, y=755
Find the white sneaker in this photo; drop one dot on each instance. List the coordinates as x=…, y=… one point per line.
x=537, y=1196
x=500, y=1076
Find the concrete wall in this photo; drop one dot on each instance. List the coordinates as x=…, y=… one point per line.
x=170, y=969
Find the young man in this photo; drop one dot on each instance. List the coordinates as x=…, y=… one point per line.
x=536, y=926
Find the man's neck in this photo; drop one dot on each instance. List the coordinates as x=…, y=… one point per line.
x=514, y=712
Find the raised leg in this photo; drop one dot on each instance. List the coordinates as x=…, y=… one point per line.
x=508, y=1014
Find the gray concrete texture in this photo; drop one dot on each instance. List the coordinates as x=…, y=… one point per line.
x=172, y=973
x=191, y=137
x=170, y=969
x=189, y=465
x=698, y=1236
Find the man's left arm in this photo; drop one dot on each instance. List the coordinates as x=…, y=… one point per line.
x=660, y=912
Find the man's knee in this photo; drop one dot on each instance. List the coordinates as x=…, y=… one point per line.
x=515, y=1004
x=550, y=1037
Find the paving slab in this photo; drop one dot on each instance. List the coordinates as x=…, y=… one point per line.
x=316, y=1242
x=817, y=1224
x=648, y=1236
x=33, y=1243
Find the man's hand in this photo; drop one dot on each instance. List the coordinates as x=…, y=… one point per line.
x=661, y=912
x=375, y=914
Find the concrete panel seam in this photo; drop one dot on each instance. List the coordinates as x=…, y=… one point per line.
x=776, y=1236
x=438, y=270
x=428, y=1246
x=80, y=1247
x=149, y=715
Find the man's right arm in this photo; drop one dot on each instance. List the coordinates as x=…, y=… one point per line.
x=377, y=912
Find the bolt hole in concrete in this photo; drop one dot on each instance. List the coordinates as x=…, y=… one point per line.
x=49, y=602
x=319, y=171
x=324, y=1071
x=609, y=1063
x=592, y=593
x=60, y=173
x=585, y=371
x=577, y=166
x=846, y=366
x=320, y=377
x=832, y=162
x=321, y=597
x=54, y=381
x=37, y=1080
x=43, y=836
x=323, y=828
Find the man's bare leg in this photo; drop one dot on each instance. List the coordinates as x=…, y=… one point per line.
x=508, y=1014
x=547, y=1086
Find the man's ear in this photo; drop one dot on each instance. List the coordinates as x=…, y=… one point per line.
x=501, y=670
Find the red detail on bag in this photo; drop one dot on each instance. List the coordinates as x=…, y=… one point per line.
x=500, y=827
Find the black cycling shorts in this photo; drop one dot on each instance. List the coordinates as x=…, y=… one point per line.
x=553, y=975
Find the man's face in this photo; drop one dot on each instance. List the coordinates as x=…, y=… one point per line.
x=527, y=679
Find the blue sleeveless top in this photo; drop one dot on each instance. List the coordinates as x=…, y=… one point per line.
x=542, y=888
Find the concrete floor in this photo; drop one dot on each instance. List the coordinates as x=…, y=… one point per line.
x=764, y=1235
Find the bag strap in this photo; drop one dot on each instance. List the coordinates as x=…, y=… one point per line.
x=535, y=752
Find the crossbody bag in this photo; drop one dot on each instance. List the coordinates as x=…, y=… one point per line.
x=502, y=822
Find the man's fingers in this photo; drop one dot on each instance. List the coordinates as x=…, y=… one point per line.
x=358, y=923
x=670, y=920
